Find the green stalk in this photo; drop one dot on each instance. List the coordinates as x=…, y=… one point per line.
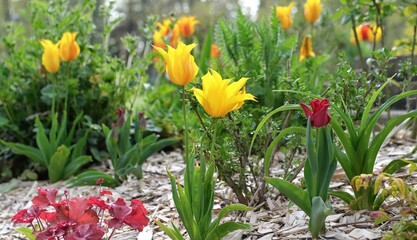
x=414, y=129
x=186, y=155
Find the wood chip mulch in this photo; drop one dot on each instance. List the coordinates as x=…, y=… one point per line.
x=276, y=219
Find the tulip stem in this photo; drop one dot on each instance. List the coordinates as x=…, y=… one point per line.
x=185, y=126
x=53, y=81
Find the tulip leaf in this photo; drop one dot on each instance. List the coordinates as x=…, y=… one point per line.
x=225, y=228
x=319, y=212
x=297, y=195
x=271, y=147
x=269, y=115
x=42, y=141
x=345, y=196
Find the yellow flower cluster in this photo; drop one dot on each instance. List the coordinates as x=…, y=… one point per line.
x=66, y=49
x=312, y=11
x=170, y=32
x=218, y=96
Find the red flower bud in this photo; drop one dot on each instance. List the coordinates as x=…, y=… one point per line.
x=142, y=120
x=121, y=114
x=319, y=115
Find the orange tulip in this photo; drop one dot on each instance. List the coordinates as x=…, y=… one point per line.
x=215, y=52
x=50, y=56
x=306, y=49
x=186, y=25
x=312, y=10
x=284, y=15
x=68, y=47
x=175, y=36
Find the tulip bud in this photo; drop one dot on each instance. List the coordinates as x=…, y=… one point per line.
x=121, y=119
x=142, y=121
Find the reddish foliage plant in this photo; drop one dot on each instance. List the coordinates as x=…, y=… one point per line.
x=80, y=218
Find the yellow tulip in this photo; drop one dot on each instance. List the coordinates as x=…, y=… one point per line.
x=180, y=64
x=218, y=97
x=164, y=27
x=50, y=56
x=306, y=49
x=186, y=25
x=312, y=10
x=284, y=15
x=68, y=47
x=158, y=39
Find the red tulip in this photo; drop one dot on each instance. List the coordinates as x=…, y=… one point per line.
x=319, y=117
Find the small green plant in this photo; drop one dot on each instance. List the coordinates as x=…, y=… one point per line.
x=56, y=150
x=360, y=150
x=194, y=203
x=127, y=151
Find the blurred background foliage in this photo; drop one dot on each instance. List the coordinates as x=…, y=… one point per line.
x=135, y=14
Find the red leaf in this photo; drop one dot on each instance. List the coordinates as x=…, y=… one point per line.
x=87, y=232
x=137, y=218
x=80, y=211
x=45, y=197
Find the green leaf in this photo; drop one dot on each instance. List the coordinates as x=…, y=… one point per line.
x=233, y=207
x=172, y=233
x=396, y=164
x=79, y=148
x=69, y=138
x=381, y=137
x=30, y=152
x=42, y=141
x=155, y=147
x=271, y=147
x=349, y=123
x=347, y=160
x=364, y=120
x=269, y=115
x=206, y=51
x=62, y=131
x=75, y=165
x=90, y=177
x=293, y=192
x=28, y=232
x=53, y=130
x=225, y=228
x=319, y=212
x=57, y=164
x=124, y=136
x=345, y=196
